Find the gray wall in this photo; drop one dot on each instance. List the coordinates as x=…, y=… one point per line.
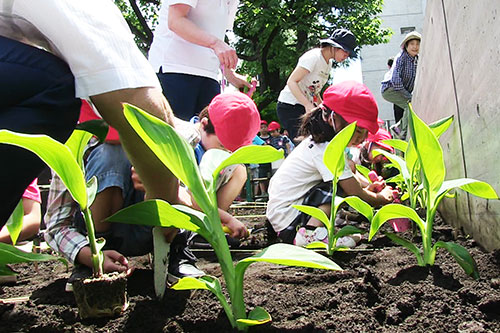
x=396, y=14
x=458, y=73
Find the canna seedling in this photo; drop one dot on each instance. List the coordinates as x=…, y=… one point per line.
x=67, y=162
x=177, y=155
x=428, y=155
x=335, y=162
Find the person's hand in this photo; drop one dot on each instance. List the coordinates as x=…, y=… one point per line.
x=385, y=196
x=376, y=186
x=238, y=229
x=136, y=180
x=226, y=54
x=115, y=262
x=237, y=80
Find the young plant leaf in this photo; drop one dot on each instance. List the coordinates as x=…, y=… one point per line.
x=429, y=153
x=289, y=255
x=462, y=256
x=250, y=154
x=334, y=157
x=9, y=254
x=397, y=144
x=314, y=212
x=410, y=246
x=15, y=222
x=77, y=143
x=348, y=230
x=475, y=187
x=355, y=202
x=440, y=126
x=364, y=171
x=397, y=161
x=257, y=316
x=156, y=213
x=57, y=156
x=97, y=127
x=316, y=245
x=189, y=283
x=392, y=211
x=91, y=190
x=171, y=149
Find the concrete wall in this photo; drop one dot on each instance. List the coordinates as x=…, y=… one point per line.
x=458, y=73
x=396, y=14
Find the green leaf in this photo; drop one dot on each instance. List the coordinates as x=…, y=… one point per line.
x=392, y=211
x=9, y=254
x=429, y=153
x=334, y=153
x=316, y=245
x=440, y=126
x=355, y=202
x=189, y=283
x=257, y=316
x=410, y=246
x=156, y=213
x=397, y=161
x=397, y=144
x=77, y=143
x=364, y=171
x=475, y=187
x=290, y=255
x=171, y=149
x=348, y=230
x=97, y=127
x=250, y=154
x=15, y=222
x=316, y=213
x=462, y=256
x=92, y=190
x=57, y=156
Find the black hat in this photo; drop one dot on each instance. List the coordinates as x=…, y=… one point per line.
x=343, y=39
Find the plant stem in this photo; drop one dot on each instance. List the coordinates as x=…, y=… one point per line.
x=89, y=224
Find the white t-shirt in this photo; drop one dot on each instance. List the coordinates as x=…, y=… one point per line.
x=301, y=171
x=176, y=55
x=312, y=83
x=91, y=36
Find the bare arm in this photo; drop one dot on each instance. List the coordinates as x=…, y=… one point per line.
x=293, y=83
x=186, y=29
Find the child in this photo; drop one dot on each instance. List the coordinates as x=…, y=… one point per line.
x=304, y=179
x=265, y=169
x=235, y=119
x=397, y=88
x=277, y=140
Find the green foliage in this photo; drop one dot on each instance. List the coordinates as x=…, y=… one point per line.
x=425, y=156
x=178, y=156
x=62, y=159
x=15, y=222
x=335, y=161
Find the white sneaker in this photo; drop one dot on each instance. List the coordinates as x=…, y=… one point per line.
x=346, y=241
x=306, y=236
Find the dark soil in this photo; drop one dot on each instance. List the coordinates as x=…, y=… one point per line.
x=380, y=290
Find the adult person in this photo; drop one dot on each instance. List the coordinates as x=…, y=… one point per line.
x=398, y=112
x=302, y=92
x=83, y=49
x=188, y=50
x=398, y=88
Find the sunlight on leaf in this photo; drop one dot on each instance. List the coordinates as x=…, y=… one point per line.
x=257, y=316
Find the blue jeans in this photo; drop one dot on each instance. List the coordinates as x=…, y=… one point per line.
x=110, y=165
x=37, y=96
x=188, y=94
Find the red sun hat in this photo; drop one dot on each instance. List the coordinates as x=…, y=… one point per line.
x=273, y=125
x=354, y=102
x=235, y=118
x=263, y=122
x=378, y=137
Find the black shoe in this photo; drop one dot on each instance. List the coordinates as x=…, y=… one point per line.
x=79, y=272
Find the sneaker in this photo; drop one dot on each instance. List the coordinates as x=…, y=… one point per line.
x=79, y=272
x=306, y=235
x=182, y=270
x=346, y=242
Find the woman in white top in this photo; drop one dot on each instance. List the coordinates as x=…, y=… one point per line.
x=303, y=88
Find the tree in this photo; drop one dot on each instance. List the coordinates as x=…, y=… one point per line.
x=272, y=34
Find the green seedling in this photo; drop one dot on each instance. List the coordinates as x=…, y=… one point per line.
x=335, y=162
x=428, y=154
x=178, y=156
x=67, y=162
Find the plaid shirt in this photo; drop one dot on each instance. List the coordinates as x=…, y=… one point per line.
x=403, y=74
x=60, y=234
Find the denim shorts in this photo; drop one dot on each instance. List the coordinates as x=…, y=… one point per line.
x=110, y=165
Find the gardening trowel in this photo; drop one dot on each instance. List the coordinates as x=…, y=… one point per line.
x=160, y=261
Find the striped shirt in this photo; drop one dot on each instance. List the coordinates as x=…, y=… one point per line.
x=403, y=75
